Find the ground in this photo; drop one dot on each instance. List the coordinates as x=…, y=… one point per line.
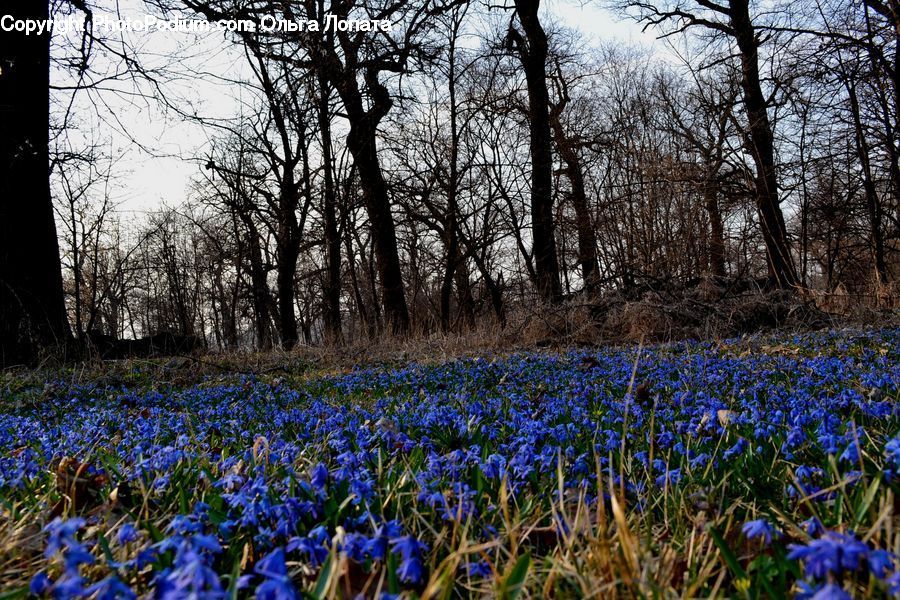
x=758, y=467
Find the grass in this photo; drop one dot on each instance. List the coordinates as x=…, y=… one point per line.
x=760, y=467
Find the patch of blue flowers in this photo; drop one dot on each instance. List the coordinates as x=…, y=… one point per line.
x=368, y=482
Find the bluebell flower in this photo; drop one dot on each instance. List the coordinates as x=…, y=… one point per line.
x=669, y=478
x=409, y=548
x=314, y=546
x=273, y=565
x=378, y=545
x=832, y=553
x=277, y=584
x=881, y=563
x=127, y=533
x=893, y=583
x=759, y=528
x=850, y=453
x=61, y=535
x=110, y=588
x=479, y=569
x=40, y=584
x=830, y=591
x=813, y=527
x=892, y=451
x=70, y=585
x=319, y=477
x=736, y=450
x=355, y=545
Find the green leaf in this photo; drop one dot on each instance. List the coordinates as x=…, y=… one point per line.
x=324, y=576
x=727, y=555
x=235, y=575
x=104, y=545
x=867, y=500
x=393, y=581
x=738, y=571
x=14, y=594
x=512, y=584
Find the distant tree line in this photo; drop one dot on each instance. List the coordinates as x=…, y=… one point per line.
x=472, y=161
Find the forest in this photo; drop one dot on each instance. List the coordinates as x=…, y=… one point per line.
x=472, y=166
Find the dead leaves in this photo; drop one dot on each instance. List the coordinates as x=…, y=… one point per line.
x=80, y=486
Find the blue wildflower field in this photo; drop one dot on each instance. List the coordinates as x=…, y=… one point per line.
x=760, y=468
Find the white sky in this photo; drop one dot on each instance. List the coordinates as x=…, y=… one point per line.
x=144, y=181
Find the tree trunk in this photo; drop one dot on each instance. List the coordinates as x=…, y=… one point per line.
x=587, y=238
x=450, y=229
x=361, y=142
x=872, y=203
x=533, y=55
x=716, y=230
x=286, y=253
x=332, y=290
x=32, y=306
x=761, y=146
x=260, y=287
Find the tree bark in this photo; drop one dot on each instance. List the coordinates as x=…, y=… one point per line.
x=872, y=204
x=361, y=142
x=286, y=251
x=259, y=286
x=532, y=50
x=329, y=209
x=32, y=306
x=587, y=238
x=761, y=146
x=716, y=230
x=450, y=229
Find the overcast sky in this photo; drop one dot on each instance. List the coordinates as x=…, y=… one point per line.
x=144, y=180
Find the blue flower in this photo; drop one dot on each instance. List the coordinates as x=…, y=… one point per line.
x=813, y=527
x=409, y=548
x=881, y=563
x=127, y=533
x=191, y=576
x=892, y=451
x=313, y=546
x=277, y=585
x=61, y=535
x=832, y=553
x=319, y=477
x=737, y=449
x=479, y=569
x=893, y=583
x=830, y=591
x=40, y=584
x=273, y=565
x=669, y=478
x=110, y=588
x=759, y=528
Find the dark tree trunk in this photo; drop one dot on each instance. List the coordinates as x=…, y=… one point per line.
x=716, y=230
x=343, y=71
x=361, y=142
x=587, y=238
x=329, y=209
x=890, y=10
x=761, y=146
x=32, y=307
x=450, y=230
x=286, y=253
x=259, y=286
x=532, y=50
x=872, y=204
